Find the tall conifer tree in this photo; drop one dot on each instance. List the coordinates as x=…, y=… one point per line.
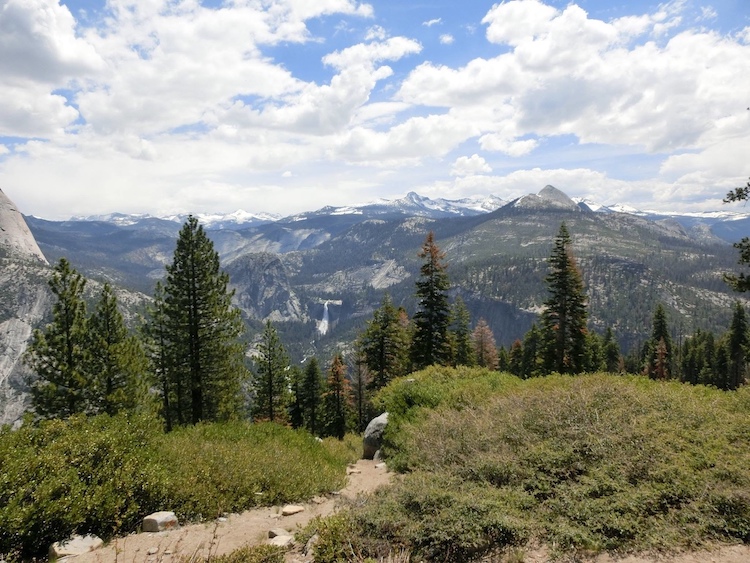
x=337, y=401
x=385, y=345
x=564, y=317
x=117, y=362
x=271, y=378
x=485, y=348
x=740, y=282
x=737, y=347
x=430, y=343
x=659, y=347
x=312, y=393
x=59, y=354
x=207, y=357
x=463, y=343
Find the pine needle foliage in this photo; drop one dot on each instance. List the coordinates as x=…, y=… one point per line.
x=59, y=354
x=271, y=381
x=564, y=316
x=430, y=342
x=205, y=356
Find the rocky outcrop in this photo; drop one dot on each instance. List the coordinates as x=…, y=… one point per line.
x=262, y=289
x=15, y=236
x=373, y=438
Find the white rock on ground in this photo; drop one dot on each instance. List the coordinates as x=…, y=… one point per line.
x=290, y=509
x=75, y=546
x=281, y=541
x=160, y=521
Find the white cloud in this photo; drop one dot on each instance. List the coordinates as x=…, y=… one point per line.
x=186, y=101
x=447, y=39
x=430, y=23
x=369, y=53
x=38, y=42
x=376, y=33
x=470, y=165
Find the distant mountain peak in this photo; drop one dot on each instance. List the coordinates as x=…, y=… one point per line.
x=548, y=198
x=14, y=232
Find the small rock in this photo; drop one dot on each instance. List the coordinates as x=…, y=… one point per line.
x=380, y=465
x=222, y=519
x=160, y=521
x=274, y=532
x=282, y=541
x=353, y=471
x=153, y=551
x=75, y=546
x=310, y=545
x=291, y=509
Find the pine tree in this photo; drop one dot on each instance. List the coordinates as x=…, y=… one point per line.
x=659, y=347
x=430, y=343
x=485, y=348
x=515, y=359
x=740, y=282
x=385, y=344
x=156, y=336
x=360, y=388
x=117, y=361
x=204, y=329
x=611, y=352
x=59, y=354
x=532, y=356
x=312, y=393
x=271, y=378
x=296, y=408
x=737, y=347
x=564, y=317
x=337, y=410
x=461, y=335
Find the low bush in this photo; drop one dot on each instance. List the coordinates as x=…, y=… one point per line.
x=582, y=464
x=103, y=474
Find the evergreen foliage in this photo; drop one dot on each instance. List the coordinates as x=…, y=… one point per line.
x=462, y=344
x=564, y=317
x=337, y=407
x=159, y=348
x=59, y=354
x=271, y=381
x=385, y=344
x=738, y=340
x=430, y=342
x=659, y=347
x=204, y=356
x=312, y=393
x=360, y=382
x=118, y=362
x=740, y=282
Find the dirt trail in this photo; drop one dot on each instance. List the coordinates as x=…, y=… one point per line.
x=202, y=541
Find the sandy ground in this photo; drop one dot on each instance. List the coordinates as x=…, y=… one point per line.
x=204, y=541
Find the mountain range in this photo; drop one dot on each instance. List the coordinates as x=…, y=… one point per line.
x=339, y=262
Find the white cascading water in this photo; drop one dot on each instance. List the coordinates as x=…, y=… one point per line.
x=323, y=325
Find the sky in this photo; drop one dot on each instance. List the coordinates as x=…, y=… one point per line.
x=282, y=106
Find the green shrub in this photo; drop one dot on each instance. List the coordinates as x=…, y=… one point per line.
x=585, y=463
x=97, y=475
x=252, y=554
x=102, y=475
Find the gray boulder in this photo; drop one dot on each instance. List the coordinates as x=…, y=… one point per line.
x=160, y=521
x=373, y=438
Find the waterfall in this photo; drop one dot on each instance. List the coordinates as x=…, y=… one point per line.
x=323, y=324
